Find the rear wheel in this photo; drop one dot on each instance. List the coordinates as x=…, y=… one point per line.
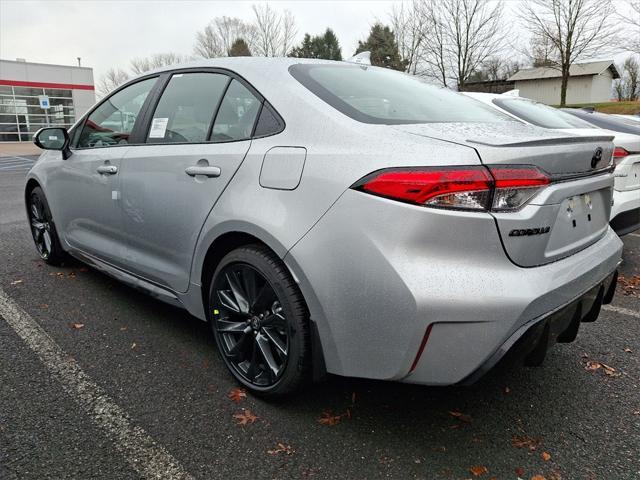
x=43, y=229
x=259, y=321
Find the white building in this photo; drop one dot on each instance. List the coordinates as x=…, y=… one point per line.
x=69, y=90
x=588, y=83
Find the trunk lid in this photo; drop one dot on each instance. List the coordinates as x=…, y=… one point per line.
x=563, y=218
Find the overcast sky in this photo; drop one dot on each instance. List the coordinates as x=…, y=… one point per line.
x=108, y=33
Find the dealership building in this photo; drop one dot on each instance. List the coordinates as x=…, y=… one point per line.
x=36, y=95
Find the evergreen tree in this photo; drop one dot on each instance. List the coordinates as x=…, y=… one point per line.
x=383, y=47
x=239, y=48
x=324, y=46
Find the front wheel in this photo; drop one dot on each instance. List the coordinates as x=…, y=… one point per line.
x=260, y=321
x=43, y=229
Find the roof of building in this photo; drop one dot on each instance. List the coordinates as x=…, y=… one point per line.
x=576, y=70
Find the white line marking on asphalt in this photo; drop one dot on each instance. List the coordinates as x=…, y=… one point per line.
x=623, y=311
x=143, y=454
x=21, y=158
x=634, y=235
x=13, y=162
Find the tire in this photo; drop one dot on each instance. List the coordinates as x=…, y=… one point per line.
x=43, y=229
x=260, y=322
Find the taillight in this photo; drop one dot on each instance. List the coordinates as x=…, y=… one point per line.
x=501, y=188
x=618, y=154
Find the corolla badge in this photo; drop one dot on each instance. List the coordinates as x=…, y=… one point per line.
x=597, y=156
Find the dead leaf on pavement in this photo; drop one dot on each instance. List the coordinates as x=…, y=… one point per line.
x=592, y=365
x=17, y=282
x=133, y=345
x=328, y=418
x=630, y=285
x=461, y=416
x=246, y=417
x=282, y=448
x=237, y=394
x=44, y=305
x=77, y=326
x=546, y=456
x=479, y=470
x=72, y=275
x=507, y=390
x=520, y=472
x=538, y=477
x=628, y=350
x=555, y=475
x=525, y=442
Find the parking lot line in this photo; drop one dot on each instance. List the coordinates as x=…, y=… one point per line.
x=622, y=311
x=141, y=452
x=634, y=235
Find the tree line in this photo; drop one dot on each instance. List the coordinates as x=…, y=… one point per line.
x=451, y=42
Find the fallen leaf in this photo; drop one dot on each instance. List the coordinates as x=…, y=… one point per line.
x=328, y=418
x=461, y=416
x=133, y=345
x=538, y=477
x=246, y=417
x=237, y=394
x=123, y=328
x=546, y=456
x=525, y=442
x=507, y=390
x=610, y=371
x=520, y=472
x=592, y=365
x=44, y=305
x=72, y=275
x=281, y=448
x=628, y=350
x=479, y=470
x=630, y=285
x=555, y=475
x=77, y=326
x=16, y=282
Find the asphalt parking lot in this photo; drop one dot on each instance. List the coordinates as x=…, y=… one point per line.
x=100, y=381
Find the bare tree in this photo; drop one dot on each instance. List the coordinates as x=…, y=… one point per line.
x=542, y=52
x=110, y=80
x=631, y=79
x=208, y=44
x=410, y=25
x=475, y=31
x=217, y=38
x=157, y=60
x=575, y=28
x=274, y=32
x=632, y=20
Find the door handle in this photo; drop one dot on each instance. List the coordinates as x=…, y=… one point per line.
x=207, y=171
x=107, y=169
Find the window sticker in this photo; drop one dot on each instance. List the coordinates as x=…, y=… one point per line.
x=158, y=127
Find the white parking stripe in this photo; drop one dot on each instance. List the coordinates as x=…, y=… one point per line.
x=623, y=311
x=143, y=454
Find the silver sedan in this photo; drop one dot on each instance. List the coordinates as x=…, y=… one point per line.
x=332, y=217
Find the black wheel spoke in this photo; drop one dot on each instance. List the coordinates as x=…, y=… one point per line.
x=250, y=324
x=238, y=293
x=226, y=326
x=275, y=339
x=265, y=350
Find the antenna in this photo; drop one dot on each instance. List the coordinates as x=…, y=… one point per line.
x=362, y=58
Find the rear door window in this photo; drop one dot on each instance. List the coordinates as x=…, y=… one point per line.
x=186, y=108
x=237, y=114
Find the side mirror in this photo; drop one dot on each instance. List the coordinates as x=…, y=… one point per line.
x=53, y=138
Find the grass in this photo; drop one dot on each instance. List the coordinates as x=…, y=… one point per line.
x=625, y=108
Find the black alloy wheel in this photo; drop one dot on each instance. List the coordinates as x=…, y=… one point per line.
x=43, y=229
x=259, y=321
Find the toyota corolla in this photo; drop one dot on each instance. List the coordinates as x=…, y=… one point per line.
x=334, y=217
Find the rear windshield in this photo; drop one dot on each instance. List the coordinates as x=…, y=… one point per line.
x=609, y=122
x=540, y=114
x=379, y=95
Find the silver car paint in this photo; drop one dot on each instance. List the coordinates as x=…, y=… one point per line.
x=374, y=272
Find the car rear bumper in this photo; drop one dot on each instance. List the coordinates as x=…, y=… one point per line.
x=531, y=341
x=625, y=212
x=377, y=275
